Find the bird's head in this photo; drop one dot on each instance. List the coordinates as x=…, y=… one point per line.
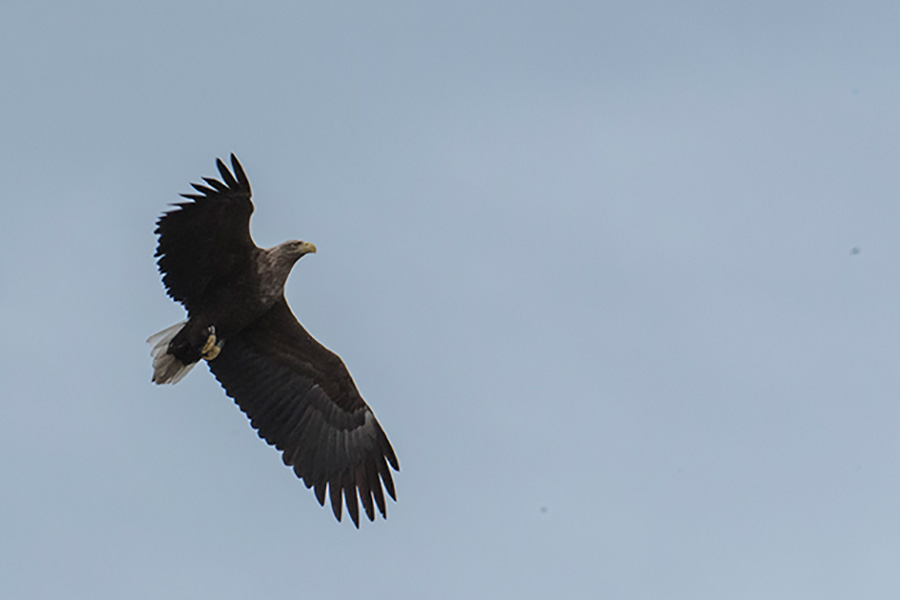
x=297, y=249
x=283, y=256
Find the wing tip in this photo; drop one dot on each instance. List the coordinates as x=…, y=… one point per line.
x=230, y=182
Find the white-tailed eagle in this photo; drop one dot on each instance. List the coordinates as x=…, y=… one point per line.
x=298, y=394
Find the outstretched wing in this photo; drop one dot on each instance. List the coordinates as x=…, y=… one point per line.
x=301, y=399
x=206, y=239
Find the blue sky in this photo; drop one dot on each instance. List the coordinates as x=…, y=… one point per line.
x=618, y=279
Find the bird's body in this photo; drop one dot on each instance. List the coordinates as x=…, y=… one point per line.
x=297, y=393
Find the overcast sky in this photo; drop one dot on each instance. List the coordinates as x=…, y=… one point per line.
x=619, y=279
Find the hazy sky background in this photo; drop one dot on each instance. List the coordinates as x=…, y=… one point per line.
x=619, y=280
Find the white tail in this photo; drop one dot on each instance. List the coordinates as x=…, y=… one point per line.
x=167, y=368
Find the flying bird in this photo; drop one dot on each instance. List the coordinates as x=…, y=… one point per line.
x=297, y=394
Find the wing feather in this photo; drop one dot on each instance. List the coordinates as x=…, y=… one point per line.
x=365, y=491
x=208, y=239
x=372, y=475
x=215, y=183
x=320, y=492
x=301, y=399
x=227, y=177
x=335, y=499
x=350, y=497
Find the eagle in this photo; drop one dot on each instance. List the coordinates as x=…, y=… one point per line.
x=297, y=394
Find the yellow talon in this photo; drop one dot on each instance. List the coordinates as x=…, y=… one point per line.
x=210, y=349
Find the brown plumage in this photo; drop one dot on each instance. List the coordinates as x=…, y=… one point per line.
x=298, y=394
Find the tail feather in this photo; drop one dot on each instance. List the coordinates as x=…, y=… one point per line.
x=167, y=368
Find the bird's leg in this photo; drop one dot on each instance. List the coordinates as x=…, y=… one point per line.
x=211, y=349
